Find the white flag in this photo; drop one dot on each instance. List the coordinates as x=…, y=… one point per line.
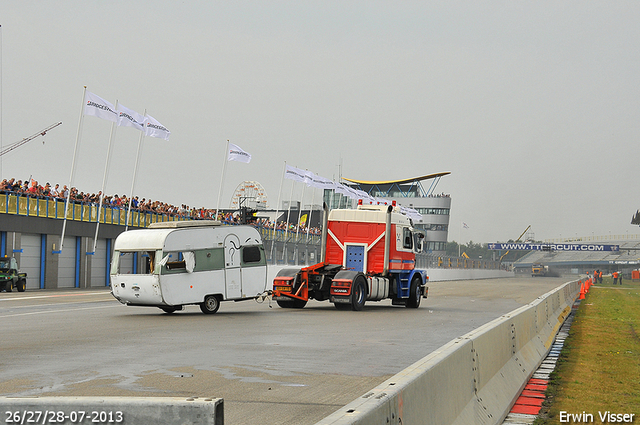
x=129, y=118
x=411, y=213
x=293, y=173
x=154, y=129
x=98, y=107
x=237, y=154
x=308, y=177
x=323, y=183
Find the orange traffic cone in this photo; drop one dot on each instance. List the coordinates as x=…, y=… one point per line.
x=582, y=292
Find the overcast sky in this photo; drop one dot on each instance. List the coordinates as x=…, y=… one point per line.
x=532, y=106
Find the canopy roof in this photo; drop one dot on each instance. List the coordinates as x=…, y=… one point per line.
x=403, y=181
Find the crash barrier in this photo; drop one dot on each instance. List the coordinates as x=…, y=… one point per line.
x=116, y=410
x=427, y=261
x=473, y=379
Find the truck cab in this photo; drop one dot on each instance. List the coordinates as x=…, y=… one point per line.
x=368, y=254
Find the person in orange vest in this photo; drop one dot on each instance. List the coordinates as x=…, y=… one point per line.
x=595, y=277
x=615, y=277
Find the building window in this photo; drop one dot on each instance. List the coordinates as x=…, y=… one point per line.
x=434, y=211
x=436, y=246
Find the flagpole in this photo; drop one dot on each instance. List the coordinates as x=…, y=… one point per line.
x=304, y=186
x=289, y=210
x=135, y=175
x=104, y=180
x=310, y=210
x=300, y=210
x=459, y=238
x=224, y=167
x=275, y=221
x=73, y=166
x=286, y=229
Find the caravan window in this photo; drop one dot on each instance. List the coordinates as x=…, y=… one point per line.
x=252, y=256
x=209, y=259
x=173, y=262
x=124, y=262
x=192, y=261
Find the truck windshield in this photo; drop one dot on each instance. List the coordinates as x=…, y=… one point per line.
x=4, y=264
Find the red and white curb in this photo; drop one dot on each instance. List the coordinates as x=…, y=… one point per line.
x=528, y=405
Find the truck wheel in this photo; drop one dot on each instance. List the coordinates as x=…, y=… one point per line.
x=22, y=286
x=210, y=305
x=415, y=294
x=292, y=304
x=9, y=286
x=358, y=293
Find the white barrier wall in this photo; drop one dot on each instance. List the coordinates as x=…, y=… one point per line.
x=113, y=410
x=474, y=379
x=439, y=275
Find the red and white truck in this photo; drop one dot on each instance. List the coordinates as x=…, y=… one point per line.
x=368, y=254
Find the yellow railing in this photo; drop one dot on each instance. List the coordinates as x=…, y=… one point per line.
x=11, y=203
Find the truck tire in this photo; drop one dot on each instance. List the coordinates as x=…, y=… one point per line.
x=210, y=305
x=415, y=293
x=22, y=286
x=358, y=293
x=9, y=287
x=294, y=303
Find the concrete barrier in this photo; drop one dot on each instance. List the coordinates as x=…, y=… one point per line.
x=114, y=410
x=441, y=275
x=474, y=379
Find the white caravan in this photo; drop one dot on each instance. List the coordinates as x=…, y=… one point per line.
x=188, y=262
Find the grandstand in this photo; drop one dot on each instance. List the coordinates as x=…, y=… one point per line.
x=580, y=262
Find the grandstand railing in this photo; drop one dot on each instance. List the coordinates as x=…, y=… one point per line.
x=45, y=207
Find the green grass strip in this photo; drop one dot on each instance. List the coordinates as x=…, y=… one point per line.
x=599, y=368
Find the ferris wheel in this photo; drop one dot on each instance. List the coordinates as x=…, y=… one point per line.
x=249, y=194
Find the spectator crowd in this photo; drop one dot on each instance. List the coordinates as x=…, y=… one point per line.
x=31, y=188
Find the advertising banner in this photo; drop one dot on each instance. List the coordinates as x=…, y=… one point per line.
x=583, y=247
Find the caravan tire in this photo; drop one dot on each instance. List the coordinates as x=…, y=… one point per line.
x=170, y=310
x=210, y=305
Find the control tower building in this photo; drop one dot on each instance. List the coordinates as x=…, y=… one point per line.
x=433, y=207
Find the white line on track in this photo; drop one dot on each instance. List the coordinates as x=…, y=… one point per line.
x=58, y=311
x=55, y=296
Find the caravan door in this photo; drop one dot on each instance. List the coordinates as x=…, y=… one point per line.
x=232, y=267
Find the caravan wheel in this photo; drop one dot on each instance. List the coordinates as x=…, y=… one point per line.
x=210, y=305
